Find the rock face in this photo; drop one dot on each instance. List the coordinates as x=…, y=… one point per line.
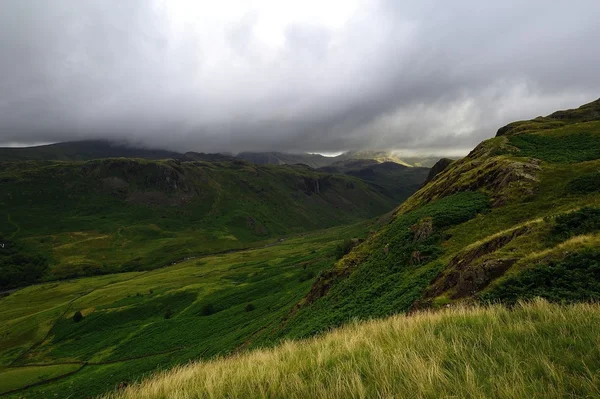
x=310, y=185
x=423, y=229
x=438, y=168
x=467, y=273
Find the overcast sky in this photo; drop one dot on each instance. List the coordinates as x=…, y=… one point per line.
x=306, y=75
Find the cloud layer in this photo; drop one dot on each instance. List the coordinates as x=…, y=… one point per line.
x=429, y=76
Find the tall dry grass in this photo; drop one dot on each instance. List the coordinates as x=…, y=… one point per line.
x=536, y=350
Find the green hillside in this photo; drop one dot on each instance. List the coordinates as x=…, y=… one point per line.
x=518, y=217
x=68, y=219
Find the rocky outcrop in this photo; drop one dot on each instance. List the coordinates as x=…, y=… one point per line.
x=309, y=185
x=438, y=168
x=422, y=230
x=465, y=274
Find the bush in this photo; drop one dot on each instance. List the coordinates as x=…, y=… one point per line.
x=569, y=148
x=20, y=266
x=250, y=307
x=168, y=313
x=344, y=248
x=207, y=309
x=77, y=317
x=309, y=275
x=583, y=221
x=585, y=184
x=573, y=279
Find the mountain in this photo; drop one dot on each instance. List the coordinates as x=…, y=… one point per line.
x=281, y=158
x=320, y=161
x=393, y=179
x=437, y=168
x=83, y=151
x=115, y=214
x=518, y=217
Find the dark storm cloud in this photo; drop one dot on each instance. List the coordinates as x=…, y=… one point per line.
x=429, y=76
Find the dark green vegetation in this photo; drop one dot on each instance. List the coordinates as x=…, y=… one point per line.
x=576, y=278
x=133, y=323
x=19, y=266
x=113, y=215
x=570, y=145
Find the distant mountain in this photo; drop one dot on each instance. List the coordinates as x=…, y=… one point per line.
x=394, y=179
x=87, y=150
x=83, y=151
x=320, y=161
x=282, y=158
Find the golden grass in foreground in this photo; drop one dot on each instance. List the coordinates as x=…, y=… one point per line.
x=536, y=350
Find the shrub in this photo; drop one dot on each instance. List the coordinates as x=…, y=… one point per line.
x=168, y=313
x=207, y=309
x=250, y=307
x=77, y=317
x=583, y=221
x=344, y=248
x=573, y=279
x=309, y=275
x=585, y=184
x=569, y=148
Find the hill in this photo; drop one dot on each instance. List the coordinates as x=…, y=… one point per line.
x=460, y=352
x=83, y=151
x=518, y=217
x=393, y=179
x=282, y=158
x=68, y=219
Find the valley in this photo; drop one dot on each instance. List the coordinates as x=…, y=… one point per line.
x=126, y=270
x=137, y=322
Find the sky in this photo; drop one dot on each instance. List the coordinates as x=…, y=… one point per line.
x=429, y=77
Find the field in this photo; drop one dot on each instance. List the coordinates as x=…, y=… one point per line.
x=135, y=323
x=532, y=351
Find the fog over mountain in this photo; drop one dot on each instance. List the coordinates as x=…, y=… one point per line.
x=318, y=76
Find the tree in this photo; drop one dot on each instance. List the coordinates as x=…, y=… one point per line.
x=77, y=317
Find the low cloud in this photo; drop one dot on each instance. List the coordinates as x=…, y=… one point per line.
x=318, y=76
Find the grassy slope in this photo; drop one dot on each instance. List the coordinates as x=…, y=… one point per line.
x=536, y=350
x=444, y=245
x=117, y=215
x=124, y=315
